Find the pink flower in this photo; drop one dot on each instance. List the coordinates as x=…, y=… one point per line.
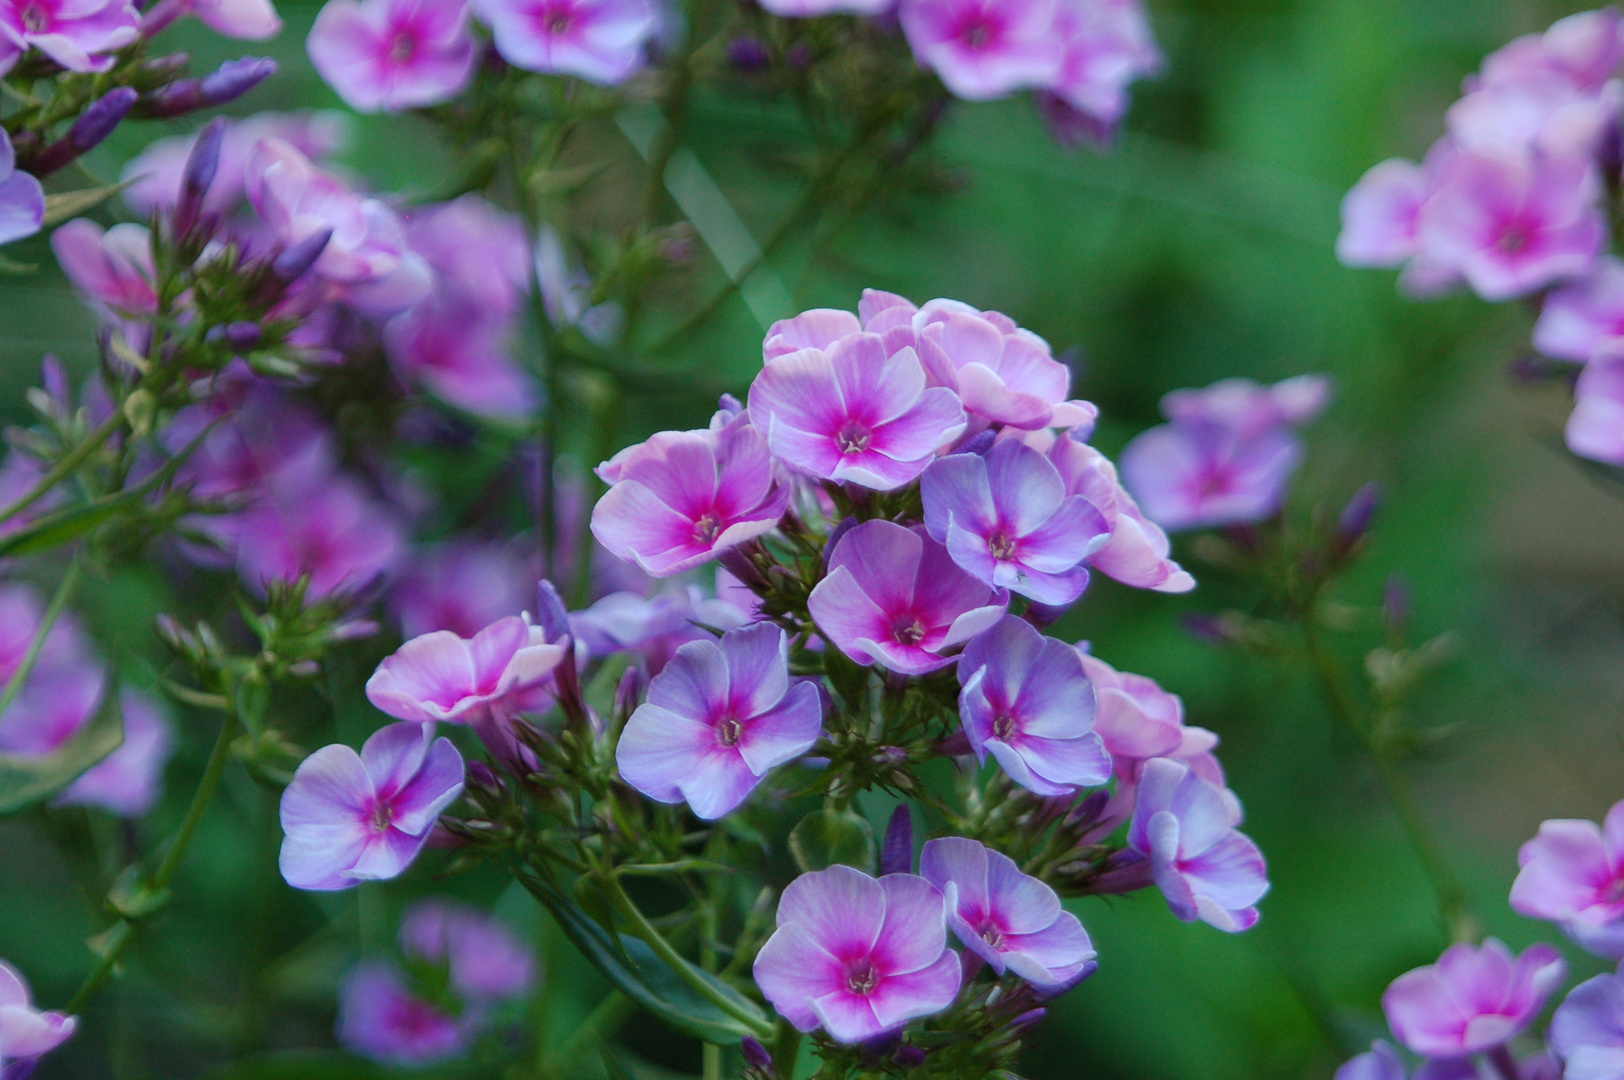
x=461, y=357
x=854, y=413
x=1011, y=920
x=462, y=586
x=78, y=34
x=1137, y=552
x=332, y=532
x=984, y=48
x=686, y=498
x=600, y=41
x=441, y=676
x=352, y=817
x=1197, y=476
x=1546, y=115
x=856, y=956
x=894, y=597
x=393, y=54
x=112, y=268
x=1584, y=49
x=153, y=178
x=1205, y=869
x=1573, y=874
x=1596, y=427
x=485, y=961
x=1580, y=318
x=1108, y=44
x=653, y=626
x=1510, y=226
x=1027, y=702
x=367, y=261
x=129, y=781
x=25, y=1032
x=22, y=200
x=380, y=1018
x=1474, y=998
x=808, y=9
x=1007, y=519
x=1249, y=409
x=478, y=253
x=718, y=716
x=1379, y=216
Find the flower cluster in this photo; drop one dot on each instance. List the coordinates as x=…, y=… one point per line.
x=1512, y=203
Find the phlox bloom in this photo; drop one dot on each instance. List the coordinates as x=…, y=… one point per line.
x=441, y=676
x=25, y=1032
x=984, y=48
x=1011, y=920
x=858, y=956
x=598, y=40
x=1473, y=999
x=349, y=818
x=393, y=54
x=718, y=716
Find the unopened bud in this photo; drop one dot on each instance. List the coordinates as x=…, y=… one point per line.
x=297, y=259
x=896, y=855
x=201, y=166
x=230, y=81
x=749, y=53
x=755, y=1055
x=979, y=443
x=1354, y=521
x=1028, y=1019
x=627, y=693
x=551, y=614
x=304, y=669
x=93, y=125
x=239, y=335
x=54, y=378
x=353, y=630
x=910, y=1056
x=1396, y=604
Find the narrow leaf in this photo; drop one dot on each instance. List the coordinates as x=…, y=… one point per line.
x=29, y=779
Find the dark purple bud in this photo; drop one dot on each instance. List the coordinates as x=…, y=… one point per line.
x=910, y=1056
x=243, y=335
x=295, y=261
x=1028, y=1019
x=483, y=776
x=551, y=615
x=1204, y=626
x=21, y=1069
x=230, y=81
x=755, y=1055
x=1069, y=126
x=844, y=526
x=201, y=165
x=93, y=125
x=979, y=443
x=1088, y=810
x=799, y=55
x=730, y=405
x=54, y=379
x=1396, y=604
x=1042, y=615
x=1354, y=521
x=304, y=669
x=1126, y=872
x=896, y=856
x=627, y=693
x=955, y=745
x=749, y=53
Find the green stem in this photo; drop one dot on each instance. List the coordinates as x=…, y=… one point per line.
x=1454, y=903
x=786, y=1048
x=70, y=461
x=677, y=962
x=63, y=592
x=119, y=937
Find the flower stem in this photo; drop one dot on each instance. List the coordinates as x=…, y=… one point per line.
x=70, y=461
x=119, y=937
x=63, y=592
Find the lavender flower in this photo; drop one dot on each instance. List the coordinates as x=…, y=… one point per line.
x=78, y=35
x=352, y=817
x=22, y=200
x=1474, y=998
x=486, y=963
x=856, y=956
x=1137, y=552
x=462, y=586
x=25, y=1032
x=1582, y=318
x=380, y=1018
x=441, y=676
x=333, y=533
x=1027, y=701
x=1011, y=920
x=598, y=40
x=984, y=48
x=112, y=268
x=1595, y=429
x=392, y=55
x=1587, y=1030
x=1573, y=874
x=718, y=716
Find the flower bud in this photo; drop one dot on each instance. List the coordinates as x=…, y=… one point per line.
x=896, y=856
x=295, y=261
x=1354, y=521
x=230, y=81
x=54, y=379
x=201, y=165
x=239, y=335
x=353, y=630
x=627, y=693
x=749, y=54
x=910, y=1056
x=979, y=443
x=755, y=1055
x=93, y=125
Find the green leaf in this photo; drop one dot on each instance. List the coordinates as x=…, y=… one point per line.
x=58, y=528
x=637, y=972
x=26, y=780
x=65, y=204
x=826, y=837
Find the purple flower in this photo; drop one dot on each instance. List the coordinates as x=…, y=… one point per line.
x=332, y=532
x=22, y=200
x=1205, y=869
x=129, y=781
x=1027, y=701
x=1595, y=429
x=1007, y=519
x=718, y=716
x=984, y=48
x=1511, y=225
x=1248, y=408
x=1137, y=552
x=25, y=1032
x=112, y=268
x=1583, y=317
x=1380, y=1062
x=856, y=956
x=462, y=586
x=248, y=20
x=1584, y=50
x=1473, y=999
x=1587, y=1030
x=380, y=1018
x=367, y=261
x=808, y=9
x=655, y=626
x=1573, y=874
x=1012, y=921
x=854, y=413
x=154, y=177
x=1108, y=44
x=78, y=34
x=895, y=597
x=441, y=676
x=1379, y=216
x=478, y=254
x=393, y=54
x=352, y=817
x=600, y=41
x=687, y=497
x=485, y=961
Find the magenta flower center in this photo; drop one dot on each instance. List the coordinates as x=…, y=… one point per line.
x=403, y=47
x=853, y=437
x=1003, y=727
x=861, y=978
x=729, y=731
x=382, y=816
x=1002, y=547
x=707, y=528
x=558, y=23
x=1515, y=239
x=35, y=19
x=908, y=629
x=992, y=936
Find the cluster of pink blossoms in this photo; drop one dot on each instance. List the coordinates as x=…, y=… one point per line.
x=1512, y=203
x=1476, y=999
x=854, y=418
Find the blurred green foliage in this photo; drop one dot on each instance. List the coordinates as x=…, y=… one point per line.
x=1198, y=247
